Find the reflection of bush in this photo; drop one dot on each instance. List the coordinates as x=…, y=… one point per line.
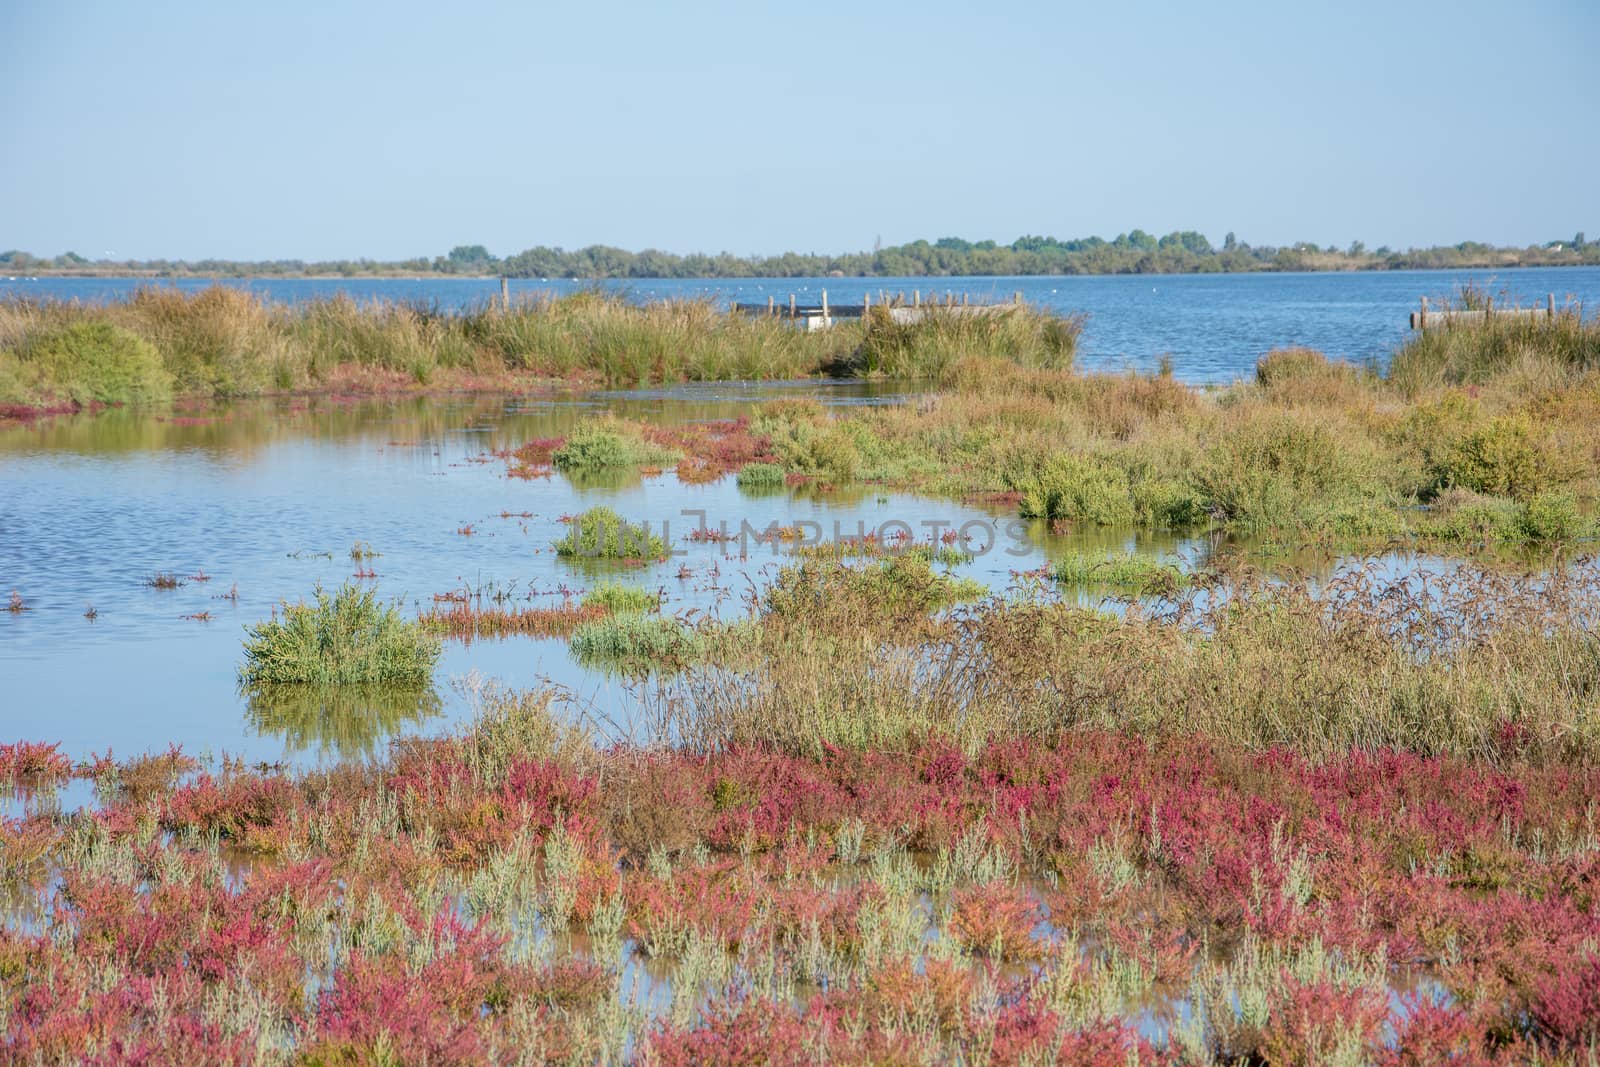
x=347, y=720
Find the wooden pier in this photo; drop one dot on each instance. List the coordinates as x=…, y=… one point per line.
x=901, y=308
x=1427, y=318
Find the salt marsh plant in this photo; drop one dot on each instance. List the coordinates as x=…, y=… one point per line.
x=759, y=476
x=606, y=444
x=343, y=638
x=84, y=362
x=620, y=598
x=635, y=640
x=1121, y=571
x=601, y=534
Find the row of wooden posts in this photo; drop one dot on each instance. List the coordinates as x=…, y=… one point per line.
x=1425, y=318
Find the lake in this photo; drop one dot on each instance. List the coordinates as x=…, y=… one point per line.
x=1213, y=326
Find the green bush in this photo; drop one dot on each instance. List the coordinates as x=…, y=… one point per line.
x=1082, y=489
x=344, y=639
x=96, y=361
x=635, y=640
x=622, y=599
x=1135, y=574
x=593, y=447
x=601, y=533
x=1549, y=516
x=1503, y=458
x=760, y=476
x=1169, y=505
x=1274, y=470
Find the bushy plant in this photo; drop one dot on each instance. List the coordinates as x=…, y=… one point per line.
x=1169, y=504
x=1550, y=516
x=344, y=638
x=634, y=640
x=619, y=598
x=1123, y=571
x=1078, y=488
x=96, y=361
x=1273, y=469
x=1506, y=457
x=600, y=533
x=601, y=446
x=760, y=476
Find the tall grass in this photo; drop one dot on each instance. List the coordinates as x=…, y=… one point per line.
x=1475, y=663
x=1470, y=352
x=224, y=342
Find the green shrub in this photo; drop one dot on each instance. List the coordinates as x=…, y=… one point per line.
x=1549, y=516
x=1462, y=515
x=1169, y=504
x=601, y=533
x=344, y=639
x=635, y=640
x=1133, y=573
x=1082, y=489
x=761, y=476
x=96, y=361
x=621, y=599
x=1503, y=458
x=597, y=446
x=1273, y=469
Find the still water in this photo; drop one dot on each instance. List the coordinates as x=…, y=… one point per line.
x=1213, y=326
x=267, y=499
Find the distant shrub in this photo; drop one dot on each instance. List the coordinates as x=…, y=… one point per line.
x=1133, y=573
x=1082, y=489
x=601, y=533
x=96, y=361
x=619, y=598
x=343, y=638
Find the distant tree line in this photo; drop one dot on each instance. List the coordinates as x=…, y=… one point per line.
x=1135, y=252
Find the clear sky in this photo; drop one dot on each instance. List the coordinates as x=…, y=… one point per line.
x=331, y=130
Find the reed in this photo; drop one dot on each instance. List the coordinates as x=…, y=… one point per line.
x=224, y=342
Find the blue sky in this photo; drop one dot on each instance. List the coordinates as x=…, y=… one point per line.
x=335, y=129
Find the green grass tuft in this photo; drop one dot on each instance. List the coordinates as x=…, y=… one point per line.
x=601, y=533
x=622, y=599
x=346, y=638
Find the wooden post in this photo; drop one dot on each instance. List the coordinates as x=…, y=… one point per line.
x=791, y=305
x=1550, y=306
x=1016, y=297
x=771, y=309
x=964, y=299
x=1488, y=309
x=916, y=298
x=866, y=303
x=825, y=308
x=1422, y=319
x=505, y=293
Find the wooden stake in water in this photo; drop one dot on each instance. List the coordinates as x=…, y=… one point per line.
x=505, y=293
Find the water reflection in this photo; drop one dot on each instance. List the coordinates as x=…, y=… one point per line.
x=341, y=721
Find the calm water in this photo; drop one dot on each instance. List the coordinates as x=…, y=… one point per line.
x=270, y=497
x=1213, y=326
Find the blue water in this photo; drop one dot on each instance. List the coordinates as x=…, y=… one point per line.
x=1214, y=327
